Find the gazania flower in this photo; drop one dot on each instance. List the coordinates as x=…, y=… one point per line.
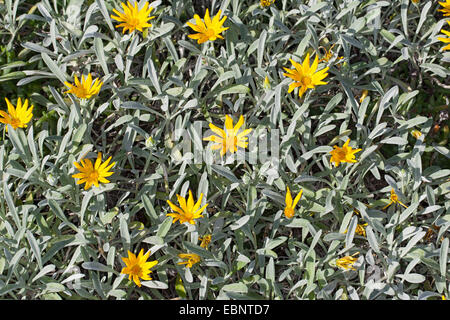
x=17, y=117
x=93, y=174
x=266, y=84
x=363, y=95
x=343, y=154
x=209, y=29
x=394, y=199
x=416, y=134
x=266, y=3
x=347, y=262
x=138, y=267
x=228, y=139
x=305, y=76
x=190, y=259
x=446, y=8
x=86, y=88
x=205, y=241
x=360, y=229
x=329, y=54
x=188, y=211
x=447, y=33
x=132, y=18
x=290, y=205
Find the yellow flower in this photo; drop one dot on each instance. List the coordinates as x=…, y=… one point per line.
x=363, y=95
x=138, y=267
x=93, y=174
x=329, y=54
x=266, y=3
x=188, y=211
x=443, y=297
x=86, y=89
x=360, y=229
x=17, y=117
x=290, y=205
x=343, y=154
x=191, y=259
x=347, y=262
x=266, y=83
x=447, y=33
x=209, y=29
x=228, y=139
x=415, y=1
x=305, y=76
x=205, y=241
x=416, y=134
x=394, y=199
x=132, y=18
x=446, y=8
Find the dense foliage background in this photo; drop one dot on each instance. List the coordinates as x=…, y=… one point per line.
x=58, y=241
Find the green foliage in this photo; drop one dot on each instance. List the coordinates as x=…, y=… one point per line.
x=59, y=241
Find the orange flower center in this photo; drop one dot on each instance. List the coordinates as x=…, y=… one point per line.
x=210, y=34
x=136, y=269
x=93, y=175
x=306, y=81
x=15, y=123
x=289, y=212
x=341, y=153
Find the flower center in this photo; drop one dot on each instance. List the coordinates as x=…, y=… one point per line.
x=188, y=215
x=231, y=141
x=133, y=22
x=341, y=153
x=306, y=81
x=15, y=123
x=289, y=212
x=136, y=269
x=93, y=175
x=210, y=34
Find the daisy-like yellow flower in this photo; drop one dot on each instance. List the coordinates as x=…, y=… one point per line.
x=132, y=18
x=416, y=134
x=363, y=95
x=209, y=30
x=347, y=261
x=93, y=174
x=394, y=199
x=229, y=139
x=188, y=211
x=360, y=229
x=17, y=117
x=305, y=75
x=86, y=88
x=266, y=84
x=446, y=8
x=329, y=54
x=447, y=33
x=343, y=154
x=266, y=3
x=138, y=267
x=190, y=259
x=205, y=241
x=290, y=205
